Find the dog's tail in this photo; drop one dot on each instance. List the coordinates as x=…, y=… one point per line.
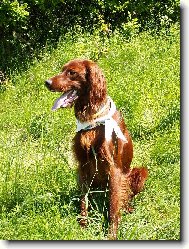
x=137, y=178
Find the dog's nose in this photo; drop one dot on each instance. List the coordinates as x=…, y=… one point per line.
x=48, y=83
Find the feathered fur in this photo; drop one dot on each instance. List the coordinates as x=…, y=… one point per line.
x=101, y=163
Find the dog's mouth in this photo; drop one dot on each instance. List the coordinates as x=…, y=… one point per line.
x=65, y=100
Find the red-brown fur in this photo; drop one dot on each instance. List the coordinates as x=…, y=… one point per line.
x=102, y=163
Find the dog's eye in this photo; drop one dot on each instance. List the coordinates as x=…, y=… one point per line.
x=72, y=73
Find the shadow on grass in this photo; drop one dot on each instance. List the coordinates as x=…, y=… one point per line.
x=165, y=124
x=97, y=201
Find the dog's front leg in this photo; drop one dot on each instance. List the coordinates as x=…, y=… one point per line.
x=115, y=200
x=84, y=198
x=84, y=210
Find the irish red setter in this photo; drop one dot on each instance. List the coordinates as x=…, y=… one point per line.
x=102, y=144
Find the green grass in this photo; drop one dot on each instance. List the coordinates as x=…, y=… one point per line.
x=38, y=177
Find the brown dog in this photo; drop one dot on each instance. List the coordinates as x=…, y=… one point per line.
x=102, y=144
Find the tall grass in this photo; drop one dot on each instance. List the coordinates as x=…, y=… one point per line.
x=38, y=175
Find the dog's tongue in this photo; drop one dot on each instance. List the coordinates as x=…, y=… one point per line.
x=65, y=100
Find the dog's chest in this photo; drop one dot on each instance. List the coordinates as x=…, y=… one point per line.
x=89, y=139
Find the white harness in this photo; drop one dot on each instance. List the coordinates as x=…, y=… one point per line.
x=107, y=120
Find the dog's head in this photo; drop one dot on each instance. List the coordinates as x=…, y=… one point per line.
x=78, y=79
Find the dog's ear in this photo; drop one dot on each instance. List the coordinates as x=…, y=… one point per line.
x=96, y=81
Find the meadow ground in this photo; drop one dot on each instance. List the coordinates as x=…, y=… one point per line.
x=38, y=181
